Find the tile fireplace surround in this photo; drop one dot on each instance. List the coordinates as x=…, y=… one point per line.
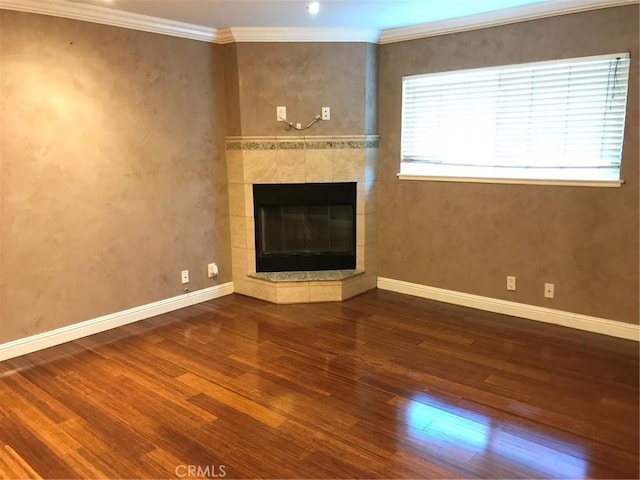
x=309, y=159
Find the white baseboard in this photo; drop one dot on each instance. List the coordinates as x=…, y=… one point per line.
x=58, y=336
x=531, y=312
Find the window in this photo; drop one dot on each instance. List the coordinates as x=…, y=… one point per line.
x=560, y=120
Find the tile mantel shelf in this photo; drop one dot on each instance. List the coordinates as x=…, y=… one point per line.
x=302, y=159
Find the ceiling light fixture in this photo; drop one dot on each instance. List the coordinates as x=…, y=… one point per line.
x=313, y=7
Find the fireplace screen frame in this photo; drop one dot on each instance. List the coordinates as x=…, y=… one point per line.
x=308, y=195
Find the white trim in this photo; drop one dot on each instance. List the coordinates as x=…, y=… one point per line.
x=499, y=17
x=251, y=34
x=58, y=336
x=145, y=23
x=514, y=181
x=531, y=312
x=119, y=18
x=110, y=16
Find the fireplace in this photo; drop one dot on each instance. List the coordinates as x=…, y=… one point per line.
x=305, y=226
x=299, y=160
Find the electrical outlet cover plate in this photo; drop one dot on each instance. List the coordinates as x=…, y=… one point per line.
x=326, y=113
x=511, y=283
x=212, y=270
x=549, y=290
x=185, y=276
x=281, y=114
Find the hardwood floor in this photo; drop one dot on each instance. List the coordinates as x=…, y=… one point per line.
x=380, y=386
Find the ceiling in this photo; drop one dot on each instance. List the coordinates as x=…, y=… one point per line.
x=370, y=14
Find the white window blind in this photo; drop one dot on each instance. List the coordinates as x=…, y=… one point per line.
x=557, y=120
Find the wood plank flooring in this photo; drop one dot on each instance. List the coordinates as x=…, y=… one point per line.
x=380, y=386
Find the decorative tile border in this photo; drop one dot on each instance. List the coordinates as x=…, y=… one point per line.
x=302, y=143
x=349, y=144
x=322, y=145
x=259, y=146
x=289, y=145
x=230, y=145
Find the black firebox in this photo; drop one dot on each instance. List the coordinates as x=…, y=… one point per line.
x=305, y=226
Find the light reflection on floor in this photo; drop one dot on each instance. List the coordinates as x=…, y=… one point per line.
x=441, y=429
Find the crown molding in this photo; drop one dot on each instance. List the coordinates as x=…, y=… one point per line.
x=134, y=21
x=500, y=17
x=251, y=34
x=109, y=16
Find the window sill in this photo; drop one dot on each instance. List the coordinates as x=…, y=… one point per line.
x=515, y=181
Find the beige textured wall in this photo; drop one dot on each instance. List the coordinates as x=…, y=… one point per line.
x=113, y=174
x=469, y=237
x=232, y=91
x=371, y=91
x=304, y=77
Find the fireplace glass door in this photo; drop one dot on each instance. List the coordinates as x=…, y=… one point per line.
x=305, y=227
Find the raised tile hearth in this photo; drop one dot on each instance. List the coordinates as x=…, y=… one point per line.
x=312, y=276
x=315, y=286
x=269, y=160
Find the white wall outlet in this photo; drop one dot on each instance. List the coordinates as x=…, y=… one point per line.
x=185, y=276
x=212, y=270
x=511, y=283
x=281, y=114
x=326, y=113
x=549, y=290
